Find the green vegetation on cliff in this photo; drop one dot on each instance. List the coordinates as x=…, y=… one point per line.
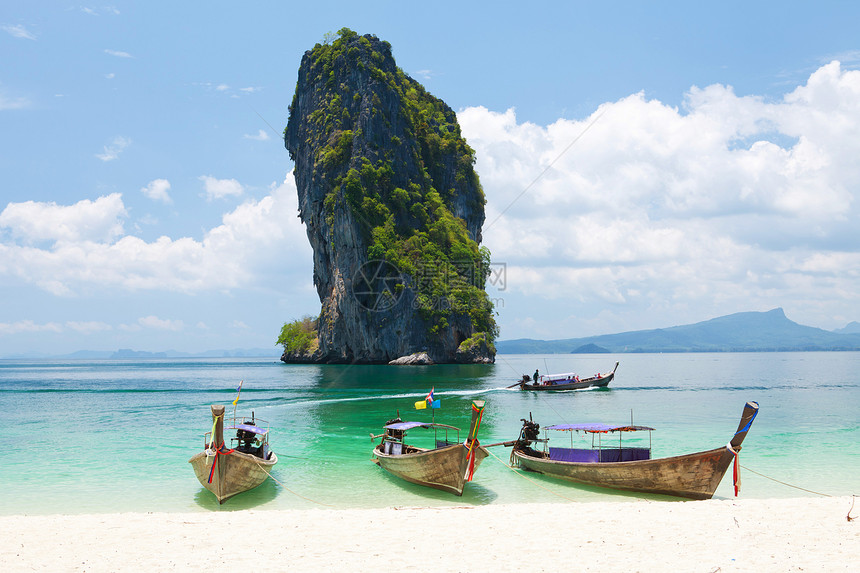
x=299, y=337
x=404, y=181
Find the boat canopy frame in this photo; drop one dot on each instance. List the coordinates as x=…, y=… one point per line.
x=597, y=430
x=403, y=427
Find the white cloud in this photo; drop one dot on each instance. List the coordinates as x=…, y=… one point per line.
x=109, y=10
x=28, y=326
x=157, y=190
x=85, y=221
x=18, y=31
x=118, y=54
x=262, y=135
x=89, y=327
x=156, y=323
x=729, y=204
x=113, y=150
x=221, y=188
x=258, y=241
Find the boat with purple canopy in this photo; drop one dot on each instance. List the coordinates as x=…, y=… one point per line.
x=608, y=463
x=244, y=465
x=447, y=466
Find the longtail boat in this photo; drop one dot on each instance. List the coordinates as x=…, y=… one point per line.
x=446, y=467
x=244, y=465
x=567, y=381
x=694, y=476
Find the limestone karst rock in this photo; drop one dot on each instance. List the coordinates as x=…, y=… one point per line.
x=393, y=210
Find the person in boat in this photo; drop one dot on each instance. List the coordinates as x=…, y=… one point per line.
x=536, y=376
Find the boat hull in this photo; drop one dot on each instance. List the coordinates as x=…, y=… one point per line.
x=693, y=476
x=235, y=472
x=587, y=383
x=443, y=468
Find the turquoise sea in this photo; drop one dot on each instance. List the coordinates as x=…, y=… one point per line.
x=115, y=435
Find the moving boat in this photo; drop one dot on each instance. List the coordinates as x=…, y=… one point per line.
x=567, y=381
x=447, y=466
x=244, y=465
x=694, y=476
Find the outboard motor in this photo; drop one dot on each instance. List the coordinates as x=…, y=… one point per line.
x=396, y=434
x=529, y=432
x=246, y=441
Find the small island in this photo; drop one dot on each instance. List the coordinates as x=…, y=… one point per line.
x=393, y=209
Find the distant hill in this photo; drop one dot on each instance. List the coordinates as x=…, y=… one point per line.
x=851, y=327
x=740, y=332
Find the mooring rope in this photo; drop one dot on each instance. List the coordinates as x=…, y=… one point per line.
x=783, y=483
x=501, y=461
x=509, y=365
x=853, y=497
x=288, y=489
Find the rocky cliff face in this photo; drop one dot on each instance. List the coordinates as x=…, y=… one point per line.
x=393, y=209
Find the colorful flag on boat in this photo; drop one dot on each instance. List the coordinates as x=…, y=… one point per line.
x=436, y=404
x=238, y=391
x=472, y=441
x=421, y=405
x=429, y=397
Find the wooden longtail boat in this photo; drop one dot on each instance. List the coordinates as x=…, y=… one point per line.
x=446, y=467
x=694, y=476
x=567, y=381
x=244, y=465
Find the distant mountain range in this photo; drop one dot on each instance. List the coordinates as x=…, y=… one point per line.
x=741, y=332
x=126, y=354
x=767, y=331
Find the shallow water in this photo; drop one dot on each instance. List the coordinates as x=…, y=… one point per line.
x=108, y=436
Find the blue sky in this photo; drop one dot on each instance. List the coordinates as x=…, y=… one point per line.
x=645, y=164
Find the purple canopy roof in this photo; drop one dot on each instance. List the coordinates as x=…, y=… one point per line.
x=597, y=428
x=248, y=428
x=406, y=425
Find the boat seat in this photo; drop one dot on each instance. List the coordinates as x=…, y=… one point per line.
x=573, y=455
x=582, y=455
x=393, y=448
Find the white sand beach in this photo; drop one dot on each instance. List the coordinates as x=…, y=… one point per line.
x=803, y=534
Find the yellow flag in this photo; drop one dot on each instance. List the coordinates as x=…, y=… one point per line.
x=421, y=405
x=238, y=391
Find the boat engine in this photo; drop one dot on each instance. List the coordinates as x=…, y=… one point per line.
x=396, y=434
x=530, y=432
x=246, y=441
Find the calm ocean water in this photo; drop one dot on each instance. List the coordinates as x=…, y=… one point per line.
x=113, y=436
